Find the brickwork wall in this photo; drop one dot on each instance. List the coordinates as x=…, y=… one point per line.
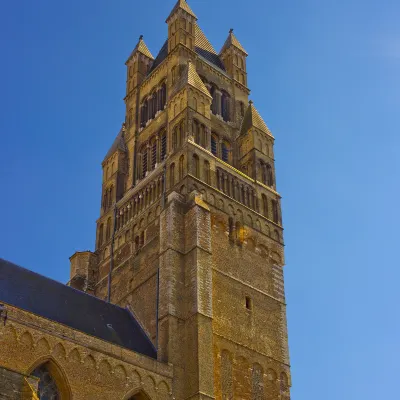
x=87, y=368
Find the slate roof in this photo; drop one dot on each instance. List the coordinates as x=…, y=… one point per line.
x=191, y=77
x=141, y=47
x=252, y=118
x=161, y=56
x=204, y=48
x=232, y=41
x=50, y=299
x=184, y=6
x=119, y=144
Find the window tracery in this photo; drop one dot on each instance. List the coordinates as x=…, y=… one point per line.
x=48, y=389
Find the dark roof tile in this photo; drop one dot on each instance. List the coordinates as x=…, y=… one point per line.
x=50, y=299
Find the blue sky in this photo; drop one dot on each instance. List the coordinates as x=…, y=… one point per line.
x=325, y=76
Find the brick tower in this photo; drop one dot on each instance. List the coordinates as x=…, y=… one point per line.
x=190, y=234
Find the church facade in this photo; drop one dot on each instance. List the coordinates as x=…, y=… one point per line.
x=183, y=297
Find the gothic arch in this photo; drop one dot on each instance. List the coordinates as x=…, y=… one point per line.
x=26, y=339
x=43, y=345
x=137, y=394
x=58, y=376
x=59, y=351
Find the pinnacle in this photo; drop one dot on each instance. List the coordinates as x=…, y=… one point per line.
x=142, y=48
x=182, y=4
x=232, y=41
x=252, y=118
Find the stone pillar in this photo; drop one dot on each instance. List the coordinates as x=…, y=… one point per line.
x=185, y=307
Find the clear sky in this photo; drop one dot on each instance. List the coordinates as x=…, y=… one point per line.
x=324, y=75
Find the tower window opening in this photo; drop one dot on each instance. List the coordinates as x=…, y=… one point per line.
x=154, y=155
x=163, y=146
x=144, y=163
x=175, y=139
x=214, y=145
x=275, y=211
x=172, y=175
x=196, y=171
x=249, y=303
x=181, y=166
x=207, y=172
x=225, y=152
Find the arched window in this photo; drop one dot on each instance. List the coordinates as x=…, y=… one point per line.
x=172, y=175
x=163, y=95
x=175, y=138
x=144, y=161
x=236, y=60
x=180, y=134
x=225, y=101
x=155, y=105
x=163, y=146
x=196, y=171
x=194, y=103
x=241, y=109
x=145, y=109
x=111, y=196
x=284, y=383
x=108, y=229
x=263, y=173
x=264, y=205
x=275, y=211
x=214, y=101
x=269, y=176
x=181, y=166
x=137, y=243
x=105, y=201
x=100, y=239
x=225, y=151
x=257, y=382
x=206, y=176
x=141, y=243
x=196, y=127
x=151, y=108
x=153, y=154
x=214, y=141
x=48, y=389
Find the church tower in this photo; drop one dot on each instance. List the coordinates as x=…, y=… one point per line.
x=189, y=236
